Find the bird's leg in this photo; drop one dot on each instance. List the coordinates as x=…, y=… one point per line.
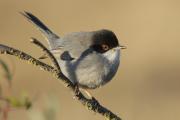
x=76, y=89
x=90, y=97
x=87, y=93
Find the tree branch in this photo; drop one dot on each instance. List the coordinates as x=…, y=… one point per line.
x=50, y=55
x=91, y=104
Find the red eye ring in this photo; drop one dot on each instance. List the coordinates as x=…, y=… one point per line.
x=105, y=47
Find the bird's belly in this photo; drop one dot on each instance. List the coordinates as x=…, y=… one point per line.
x=87, y=77
x=90, y=76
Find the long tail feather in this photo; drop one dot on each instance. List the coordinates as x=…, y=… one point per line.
x=36, y=21
x=42, y=27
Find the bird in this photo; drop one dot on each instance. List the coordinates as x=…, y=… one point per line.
x=89, y=59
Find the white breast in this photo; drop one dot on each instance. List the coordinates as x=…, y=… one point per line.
x=111, y=64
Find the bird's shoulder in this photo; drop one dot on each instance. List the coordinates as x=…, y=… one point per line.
x=72, y=45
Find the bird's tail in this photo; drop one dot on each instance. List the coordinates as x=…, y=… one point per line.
x=51, y=37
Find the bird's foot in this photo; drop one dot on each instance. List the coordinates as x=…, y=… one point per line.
x=76, y=89
x=95, y=102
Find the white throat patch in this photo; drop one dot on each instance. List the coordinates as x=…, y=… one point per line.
x=112, y=55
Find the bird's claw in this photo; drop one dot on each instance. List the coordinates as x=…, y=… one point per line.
x=95, y=102
x=76, y=89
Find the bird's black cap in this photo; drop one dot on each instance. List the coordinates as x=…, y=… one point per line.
x=105, y=38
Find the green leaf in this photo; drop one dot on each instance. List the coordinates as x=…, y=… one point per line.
x=14, y=101
x=5, y=67
x=19, y=102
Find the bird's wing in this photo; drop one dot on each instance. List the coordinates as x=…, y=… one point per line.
x=72, y=46
x=62, y=54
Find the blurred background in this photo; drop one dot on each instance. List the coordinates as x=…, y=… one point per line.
x=147, y=85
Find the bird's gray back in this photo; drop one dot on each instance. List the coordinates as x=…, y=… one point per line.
x=75, y=43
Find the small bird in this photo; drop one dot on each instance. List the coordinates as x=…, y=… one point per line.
x=88, y=59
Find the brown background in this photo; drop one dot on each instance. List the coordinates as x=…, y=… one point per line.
x=147, y=85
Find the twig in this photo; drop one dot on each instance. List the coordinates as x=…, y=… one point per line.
x=53, y=59
x=91, y=104
x=23, y=56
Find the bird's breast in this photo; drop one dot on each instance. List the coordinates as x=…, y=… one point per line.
x=92, y=71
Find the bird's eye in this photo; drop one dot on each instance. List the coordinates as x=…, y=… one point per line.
x=100, y=48
x=105, y=47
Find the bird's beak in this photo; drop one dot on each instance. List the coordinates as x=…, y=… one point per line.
x=122, y=47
